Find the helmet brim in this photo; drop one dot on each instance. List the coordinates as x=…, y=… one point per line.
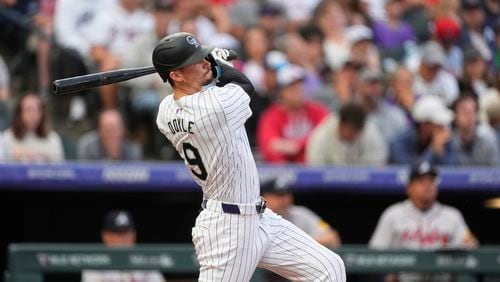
x=195, y=58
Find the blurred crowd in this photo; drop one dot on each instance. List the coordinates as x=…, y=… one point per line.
x=338, y=82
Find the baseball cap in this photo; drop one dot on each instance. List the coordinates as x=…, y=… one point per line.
x=433, y=54
x=358, y=33
x=289, y=74
x=446, y=29
x=118, y=221
x=278, y=186
x=275, y=60
x=432, y=109
x=421, y=169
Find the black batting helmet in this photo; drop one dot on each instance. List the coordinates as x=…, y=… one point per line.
x=176, y=51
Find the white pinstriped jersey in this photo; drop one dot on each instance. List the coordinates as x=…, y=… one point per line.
x=207, y=129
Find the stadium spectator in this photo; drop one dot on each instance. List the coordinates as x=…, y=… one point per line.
x=431, y=79
x=29, y=138
x=284, y=128
x=71, y=27
x=330, y=18
x=110, y=35
x=418, y=17
x=297, y=50
x=118, y=231
x=389, y=118
x=428, y=140
x=297, y=12
x=475, y=32
x=347, y=139
x=362, y=48
x=270, y=18
x=4, y=95
x=400, y=89
x=256, y=48
x=108, y=142
x=475, y=73
x=146, y=92
x=493, y=115
x=345, y=82
x=447, y=33
x=390, y=35
x=422, y=223
x=280, y=199
x=474, y=144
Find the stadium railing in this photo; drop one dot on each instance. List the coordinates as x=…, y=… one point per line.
x=28, y=262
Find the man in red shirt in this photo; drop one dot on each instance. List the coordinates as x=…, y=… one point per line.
x=285, y=126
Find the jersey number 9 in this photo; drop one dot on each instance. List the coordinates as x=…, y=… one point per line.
x=194, y=159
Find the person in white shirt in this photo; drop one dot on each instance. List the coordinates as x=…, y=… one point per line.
x=421, y=222
x=110, y=35
x=431, y=78
x=29, y=138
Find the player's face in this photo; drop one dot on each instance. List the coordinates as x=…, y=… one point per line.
x=278, y=202
x=122, y=239
x=197, y=75
x=423, y=191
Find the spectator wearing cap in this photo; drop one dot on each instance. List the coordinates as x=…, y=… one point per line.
x=118, y=231
x=421, y=222
x=473, y=143
x=271, y=19
x=431, y=79
x=284, y=128
x=280, y=199
x=349, y=139
x=362, y=48
x=447, y=33
x=475, y=32
x=390, y=35
x=475, y=73
x=389, y=118
x=428, y=140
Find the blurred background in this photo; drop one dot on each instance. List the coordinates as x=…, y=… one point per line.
x=349, y=95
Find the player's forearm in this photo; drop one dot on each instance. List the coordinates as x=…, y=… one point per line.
x=231, y=75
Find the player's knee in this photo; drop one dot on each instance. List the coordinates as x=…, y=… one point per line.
x=335, y=268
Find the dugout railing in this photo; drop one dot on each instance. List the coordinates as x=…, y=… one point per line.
x=29, y=262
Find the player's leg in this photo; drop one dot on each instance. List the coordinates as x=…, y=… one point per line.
x=296, y=256
x=228, y=247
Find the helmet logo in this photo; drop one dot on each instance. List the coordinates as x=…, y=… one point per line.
x=193, y=41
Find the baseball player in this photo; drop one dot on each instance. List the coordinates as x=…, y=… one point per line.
x=234, y=233
x=422, y=223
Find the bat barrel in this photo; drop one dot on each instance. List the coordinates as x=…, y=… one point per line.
x=79, y=83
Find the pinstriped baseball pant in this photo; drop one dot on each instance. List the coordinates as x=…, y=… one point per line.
x=229, y=247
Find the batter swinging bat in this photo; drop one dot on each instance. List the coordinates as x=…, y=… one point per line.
x=83, y=82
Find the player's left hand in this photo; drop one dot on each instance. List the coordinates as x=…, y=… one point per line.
x=221, y=55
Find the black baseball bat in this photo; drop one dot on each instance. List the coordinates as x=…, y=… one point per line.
x=83, y=82
x=79, y=83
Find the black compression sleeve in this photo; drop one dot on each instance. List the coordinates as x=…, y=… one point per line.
x=231, y=75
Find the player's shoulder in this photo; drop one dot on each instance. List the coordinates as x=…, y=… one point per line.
x=447, y=210
x=396, y=209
